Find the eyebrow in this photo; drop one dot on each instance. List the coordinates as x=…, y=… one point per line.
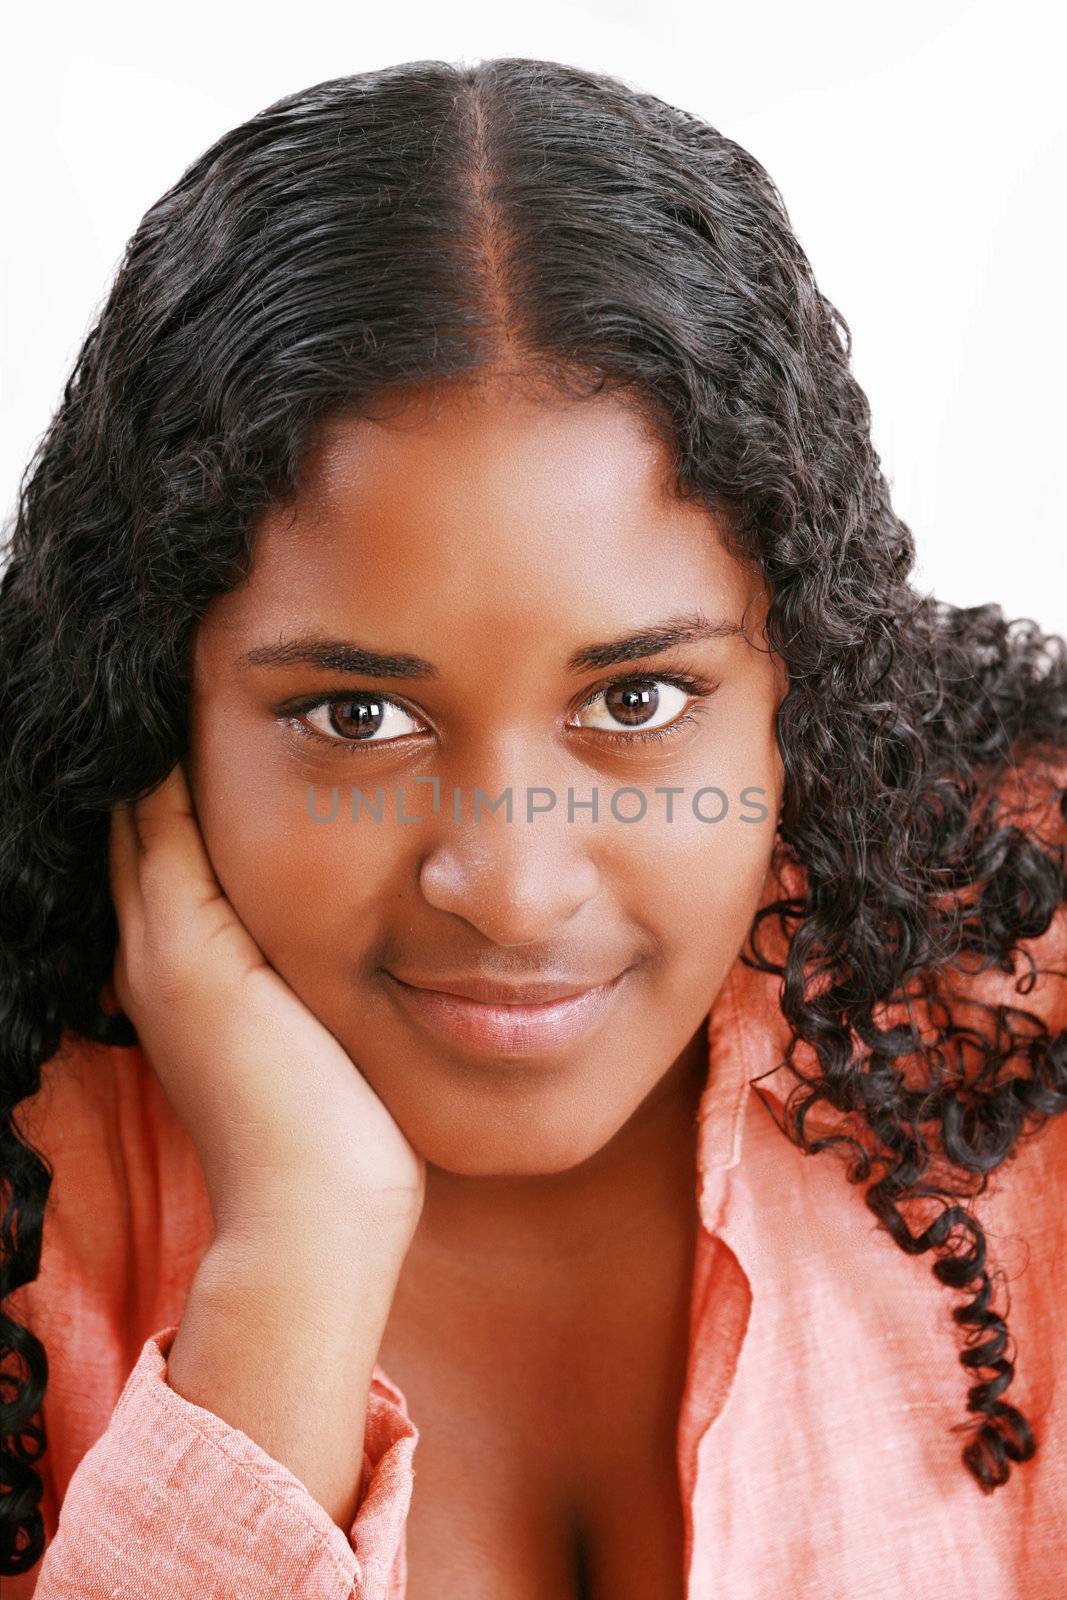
x=338, y=655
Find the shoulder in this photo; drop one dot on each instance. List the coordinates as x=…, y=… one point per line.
x=127, y=1214
x=1029, y=794
x=1009, y=888
x=1027, y=992
x=101, y=1118
x=125, y=1223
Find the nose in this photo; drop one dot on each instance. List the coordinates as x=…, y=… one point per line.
x=515, y=882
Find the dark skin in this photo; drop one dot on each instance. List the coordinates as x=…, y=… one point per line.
x=496, y=533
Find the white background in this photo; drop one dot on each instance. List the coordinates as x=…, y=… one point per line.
x=920, y=148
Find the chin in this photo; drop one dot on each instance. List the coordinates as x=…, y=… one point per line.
x=521, y=1147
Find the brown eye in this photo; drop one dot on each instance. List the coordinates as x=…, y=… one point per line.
x=641, y=703
x=364, y=719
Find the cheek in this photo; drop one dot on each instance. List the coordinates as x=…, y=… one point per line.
x=306, y=890
x=698, y=878
x=700, y=882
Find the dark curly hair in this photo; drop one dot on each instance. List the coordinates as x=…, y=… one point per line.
x=433, y=221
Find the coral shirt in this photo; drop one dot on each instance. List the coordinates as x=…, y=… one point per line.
x=815, y=1445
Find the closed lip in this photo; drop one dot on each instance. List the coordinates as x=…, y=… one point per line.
x=543, y=992
x=512, y=1030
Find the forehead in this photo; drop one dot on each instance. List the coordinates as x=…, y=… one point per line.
x=493, y=455
x=485, y=505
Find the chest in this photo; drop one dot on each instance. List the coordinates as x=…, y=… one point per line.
x=546, y=1462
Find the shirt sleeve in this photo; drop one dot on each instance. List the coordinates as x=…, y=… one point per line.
x=172, y=1503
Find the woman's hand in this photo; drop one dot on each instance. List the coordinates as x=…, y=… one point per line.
x=279, y=1113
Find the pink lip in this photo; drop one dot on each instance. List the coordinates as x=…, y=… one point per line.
x=513, y=1030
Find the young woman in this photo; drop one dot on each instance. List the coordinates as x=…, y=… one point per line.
x=483, y=807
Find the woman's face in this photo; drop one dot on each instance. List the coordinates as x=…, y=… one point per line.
x=506, y=543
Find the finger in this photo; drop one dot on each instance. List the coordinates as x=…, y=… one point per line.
x=175, y=870
x=155, y=813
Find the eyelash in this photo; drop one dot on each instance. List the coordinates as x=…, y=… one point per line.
x=699, y=688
